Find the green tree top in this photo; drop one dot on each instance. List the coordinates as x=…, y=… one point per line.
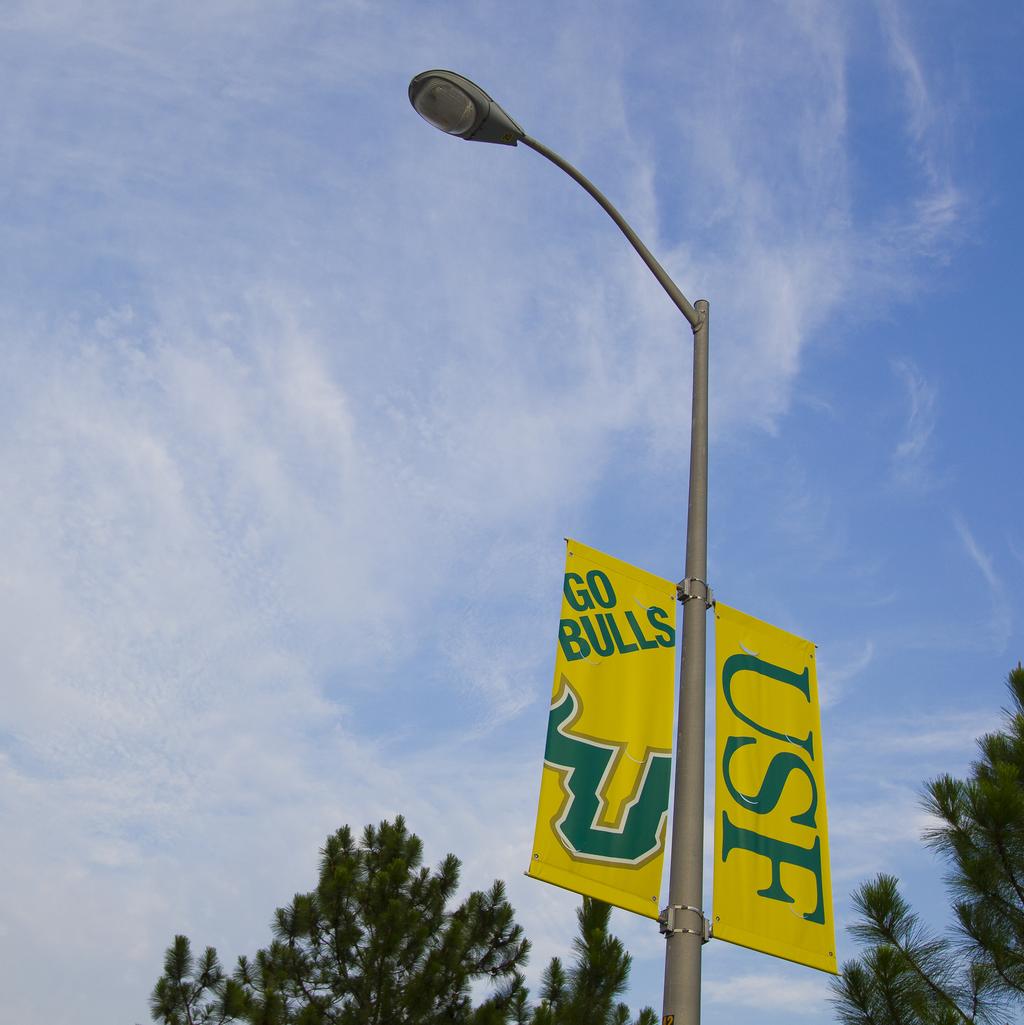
x=908, y=975
x=376, y=944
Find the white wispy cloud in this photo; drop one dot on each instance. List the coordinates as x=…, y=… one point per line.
x=801, y=997
x=938, y=733
x=998, y=627
x=836, y=668
x=1016, y=550
x=929, y=123
x=876, y=767
x=912, y=462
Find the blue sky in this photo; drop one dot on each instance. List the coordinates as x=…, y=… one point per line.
x=299, y=398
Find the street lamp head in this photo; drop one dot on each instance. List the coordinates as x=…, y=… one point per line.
x=460, y=107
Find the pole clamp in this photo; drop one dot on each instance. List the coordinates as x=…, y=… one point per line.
x=694, y=587
x=672, y=914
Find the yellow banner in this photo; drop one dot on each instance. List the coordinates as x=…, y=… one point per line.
x=773, y=889
x=608, y=756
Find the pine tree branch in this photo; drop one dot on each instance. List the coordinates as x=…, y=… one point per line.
x=311, y=999
x=993, y=951
x=1004, y=908
x=891, y=923
x=894, y=1015
x=1008, y=869
x=935, y=988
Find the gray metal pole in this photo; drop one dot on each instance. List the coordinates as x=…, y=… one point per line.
x=685, y=926
x=686, y=866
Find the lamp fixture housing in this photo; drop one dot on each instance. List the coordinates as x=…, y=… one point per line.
x=455, y=105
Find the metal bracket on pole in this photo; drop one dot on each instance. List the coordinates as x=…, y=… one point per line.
x=692, y=587
x=702, y=317
x=667, y=922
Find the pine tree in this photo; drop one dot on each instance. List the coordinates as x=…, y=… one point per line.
x=374, y=943
x=585, y=995
x=908, y=975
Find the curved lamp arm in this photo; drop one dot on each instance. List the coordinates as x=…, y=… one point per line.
x=685, y=307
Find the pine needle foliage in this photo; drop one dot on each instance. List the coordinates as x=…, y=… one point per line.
x=586, y=993
x=975, y=973
x=376, y=943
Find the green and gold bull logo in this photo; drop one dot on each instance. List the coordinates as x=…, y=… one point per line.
x=586, y=765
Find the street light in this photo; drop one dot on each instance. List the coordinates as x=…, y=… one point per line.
x=459, y=107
